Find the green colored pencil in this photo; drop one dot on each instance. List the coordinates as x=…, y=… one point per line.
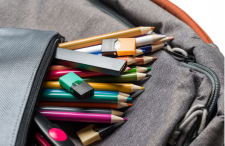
x=131, y=77
x=65, y=97
x=138, y=69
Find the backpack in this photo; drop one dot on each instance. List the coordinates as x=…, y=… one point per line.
x=183, y=102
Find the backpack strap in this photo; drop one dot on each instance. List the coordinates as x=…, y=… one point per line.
x=183, y=16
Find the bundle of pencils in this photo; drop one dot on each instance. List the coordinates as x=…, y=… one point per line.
x=111, y=93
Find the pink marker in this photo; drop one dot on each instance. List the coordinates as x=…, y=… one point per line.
x=81, y=117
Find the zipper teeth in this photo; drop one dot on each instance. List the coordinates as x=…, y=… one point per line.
x=211, y=105
x=111, y=12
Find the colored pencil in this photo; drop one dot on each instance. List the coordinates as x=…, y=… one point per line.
x=131, y=77
x=130, y=60
x=164, y=40
x=138, y=69
x=95, y=92
x=127, y=69
x=40, y=139
x=149, y=39
x=55, y=75
x=140, y=41
x=98, y=39
x=80, y=110
x=85, y=105
x=144, y=60
x=149, y=48
x=121, y=87
x=59, y=67
x=82, y=117
x=68, y=97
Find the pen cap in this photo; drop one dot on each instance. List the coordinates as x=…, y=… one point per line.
x=76, y=85
x=88, y=135
x=118, y=47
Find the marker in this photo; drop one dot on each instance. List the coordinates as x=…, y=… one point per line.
x=95, y=92
x=131, y=77
x=121, y=87
x=95, y=132
x=68, y=97
x=81, y=110
x=55, y=75
x=164, y=40
x=149, y=48
x=98, y=39
x=85, y=105
x=51, y=132
x=140, y=41
x=138, y=69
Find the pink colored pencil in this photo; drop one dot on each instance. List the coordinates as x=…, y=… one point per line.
x=55, y=75
x=81, y=117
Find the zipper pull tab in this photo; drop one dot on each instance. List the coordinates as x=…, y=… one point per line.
x=180, y=54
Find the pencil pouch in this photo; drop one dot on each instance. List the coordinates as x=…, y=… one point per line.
x=183, y=100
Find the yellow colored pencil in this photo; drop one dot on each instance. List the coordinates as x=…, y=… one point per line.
x=121, y=87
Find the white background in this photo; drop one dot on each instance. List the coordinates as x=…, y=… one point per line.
x=210, y=15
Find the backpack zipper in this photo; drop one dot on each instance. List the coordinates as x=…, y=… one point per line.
x=189, y=61
x=111, y=12
x=22, y=136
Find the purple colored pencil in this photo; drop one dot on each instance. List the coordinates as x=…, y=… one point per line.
x=81, y=117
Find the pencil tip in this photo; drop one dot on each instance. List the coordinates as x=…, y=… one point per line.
x=154, y=58
x=148, y=68
x=142, y=88
x=125, y=119
x=148, y=75
x=129, y=104
x=129, y=99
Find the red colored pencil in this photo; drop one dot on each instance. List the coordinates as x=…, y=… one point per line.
x=144, y=60
x=55, y=75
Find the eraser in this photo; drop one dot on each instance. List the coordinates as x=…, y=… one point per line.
x=76, y=85
x=118, y=47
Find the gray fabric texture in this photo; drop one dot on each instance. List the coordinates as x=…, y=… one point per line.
x=171, y=90
x=21, y=52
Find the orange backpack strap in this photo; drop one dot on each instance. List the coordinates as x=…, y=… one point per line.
x=180, y=14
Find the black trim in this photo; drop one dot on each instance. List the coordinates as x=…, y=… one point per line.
x=35, y=89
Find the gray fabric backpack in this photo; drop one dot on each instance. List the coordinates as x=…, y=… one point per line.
x=183, y=102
